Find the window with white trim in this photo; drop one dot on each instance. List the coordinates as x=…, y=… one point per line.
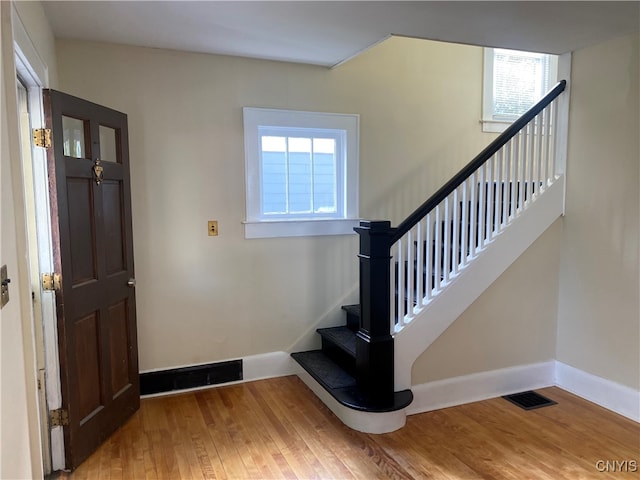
x=513, y=82
x=301, y=173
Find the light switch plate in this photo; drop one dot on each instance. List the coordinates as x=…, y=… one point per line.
x=4, y=286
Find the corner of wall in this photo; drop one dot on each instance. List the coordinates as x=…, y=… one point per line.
x=33, y=20
x=598, y=307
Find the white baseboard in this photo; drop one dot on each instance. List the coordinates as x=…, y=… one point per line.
x=267, y=365
x=455, y=391
x=484, y=385
x=480, y=386
x=610, y=395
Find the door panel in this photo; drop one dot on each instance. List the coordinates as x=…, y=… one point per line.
x=93, y=251
x=118, y=322
x=87, y=356
x=114, y=235
x=81, y=231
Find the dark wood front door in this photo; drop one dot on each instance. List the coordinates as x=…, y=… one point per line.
x=93, y=251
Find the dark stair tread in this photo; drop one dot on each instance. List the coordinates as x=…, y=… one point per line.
x=324, y=370
x=342, y=386
x=352, y=309
x=342, y=337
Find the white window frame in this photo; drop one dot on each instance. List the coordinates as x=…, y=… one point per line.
x=493, y=123
x=258, y=225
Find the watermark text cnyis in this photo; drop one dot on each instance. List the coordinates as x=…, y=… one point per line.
x=611, y=466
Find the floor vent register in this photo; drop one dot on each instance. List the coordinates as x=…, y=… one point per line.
x=529, y=400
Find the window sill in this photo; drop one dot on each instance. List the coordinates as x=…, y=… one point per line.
x=299, y=228
x=495, y=126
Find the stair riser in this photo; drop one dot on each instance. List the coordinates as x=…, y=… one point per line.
x=353, y=321
x=339, y=356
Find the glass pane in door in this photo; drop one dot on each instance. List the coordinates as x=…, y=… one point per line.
x=73, y=137
x=108, y=150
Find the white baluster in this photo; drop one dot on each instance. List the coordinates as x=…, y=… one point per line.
x=482, y=211
x=506, y=183
x=515, y=156
x=555, y=140
x=409, y=272
x=540, y=128
x=455, y=240
x=393, y=313
x=531, y=159
x=523, y=168
x=446, y=241
x=437, y=251
x=419, y=264
x=428, y=256
x=473, y=221
x=547, y=153
x=400, y=290
x=464, y=216
x=498, y=192
x=490, y=199
x=543, y=152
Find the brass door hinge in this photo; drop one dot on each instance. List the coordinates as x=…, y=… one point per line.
x=51, y=281
x=58, y=417
x=42, y=137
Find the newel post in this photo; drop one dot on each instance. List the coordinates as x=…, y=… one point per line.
x=374, y=343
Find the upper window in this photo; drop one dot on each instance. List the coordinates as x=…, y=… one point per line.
x=301, y=173
x=513, y=82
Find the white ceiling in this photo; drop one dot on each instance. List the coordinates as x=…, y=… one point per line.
x=329, y=32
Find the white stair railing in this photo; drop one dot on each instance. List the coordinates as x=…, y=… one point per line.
x=432, y=248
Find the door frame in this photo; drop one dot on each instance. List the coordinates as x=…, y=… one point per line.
x=34, y=74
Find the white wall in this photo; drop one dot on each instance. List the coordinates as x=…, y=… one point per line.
x=203, y=299
x=32, y=16
x=598, y=314
x=15, y=457
x=20, y=454
x=512, y=323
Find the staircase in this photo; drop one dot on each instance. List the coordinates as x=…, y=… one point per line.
x=417, y=278
x=334, y=368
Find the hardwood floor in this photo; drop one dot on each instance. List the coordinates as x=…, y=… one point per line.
x=277, y=428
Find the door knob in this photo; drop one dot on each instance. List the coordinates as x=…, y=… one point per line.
x=131, y=283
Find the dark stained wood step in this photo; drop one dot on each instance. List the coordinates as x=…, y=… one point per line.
x=339, y=344
x=343, y=387
x=353, y=316
x=342, y=337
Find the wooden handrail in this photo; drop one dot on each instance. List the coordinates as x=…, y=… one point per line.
x=476, y=163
